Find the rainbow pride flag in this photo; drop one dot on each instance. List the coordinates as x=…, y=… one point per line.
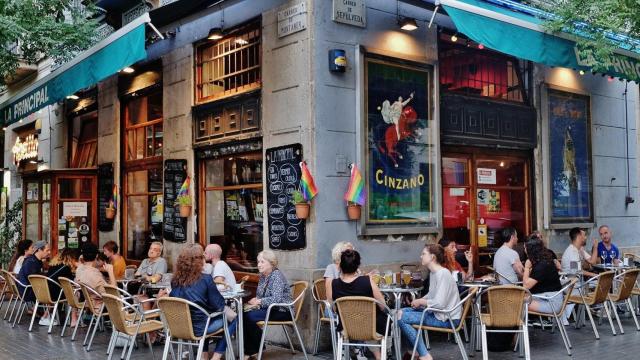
x=184, y=189
x=356, y=192
x=307, y=186
x=113, y=202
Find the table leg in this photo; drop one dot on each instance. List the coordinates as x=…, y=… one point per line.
x=397, y=342
x=239, y=330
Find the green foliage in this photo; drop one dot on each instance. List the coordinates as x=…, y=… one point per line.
x=604, y=17
x=297, y=197
x=184, y=200
x=54, y=28
x=10, y=232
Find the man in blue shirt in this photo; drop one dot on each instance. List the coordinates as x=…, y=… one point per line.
x=32, y=265
x=607, y=251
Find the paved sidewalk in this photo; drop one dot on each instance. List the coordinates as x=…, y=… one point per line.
x=19, y=344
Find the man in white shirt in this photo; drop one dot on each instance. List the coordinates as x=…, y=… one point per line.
x=506, y=261
x=576, y=254
x=218, y=269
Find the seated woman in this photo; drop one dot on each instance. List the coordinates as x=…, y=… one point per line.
x=191, y=284
x=272, y=288
x=351, y=283
x=541, y=277
x=62, y=265
x=450, y=250
x=443, y=294
x=333, y=270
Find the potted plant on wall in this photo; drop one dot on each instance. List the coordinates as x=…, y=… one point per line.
x=356, y=194
x=110, y=210
x=184, y=199
x=301, y=198
x=301, y=204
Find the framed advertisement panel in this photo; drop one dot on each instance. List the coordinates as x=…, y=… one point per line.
x=569, y=157
x=399, y=147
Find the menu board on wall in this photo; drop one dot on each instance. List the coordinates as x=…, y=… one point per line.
x=286, y=231
x=174, y=227
x=105, y=193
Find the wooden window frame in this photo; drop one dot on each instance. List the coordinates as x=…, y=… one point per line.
x=40, y=201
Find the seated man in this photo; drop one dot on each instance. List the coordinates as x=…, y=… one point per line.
x=218, y=269
x=608, y=252
x=91, y=275
x=32, y=265
x=110, y=249
x=506, y=261
x=576, y=254
x=153, y=267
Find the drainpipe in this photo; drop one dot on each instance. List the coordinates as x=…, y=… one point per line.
x=628, y=199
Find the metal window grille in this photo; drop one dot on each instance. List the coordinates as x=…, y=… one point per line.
x=229, y=66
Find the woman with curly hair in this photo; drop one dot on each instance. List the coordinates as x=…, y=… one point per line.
x=62, y=265
x=541, y=276
x=24, y=249
x=191, y=284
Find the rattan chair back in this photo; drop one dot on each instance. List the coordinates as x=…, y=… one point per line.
x=625, y=290
x=40, y=286
x=88, y=298
x=177, y=317
x=11, y=284
x=69, y=288
x=115, y=307
x=319, y=290
x=467, y=307
x=298, y=288
x=603, y=287
x=112, y=290
x=567, y=295
x=506, y=304
x=358, y=317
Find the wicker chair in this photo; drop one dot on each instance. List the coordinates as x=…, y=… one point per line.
x=40, y=286
x=600, y=295
x=507, y=310
x=298, y=290
x=119, y=311
x=324, y=313
x=466, y=304
x=176, y=316
x=627, y=281
x=7, y=291
x=358, y=319
x=19, y=297
x=70, y=289
x=556, y=315
x=126, y=296
x=97, y=313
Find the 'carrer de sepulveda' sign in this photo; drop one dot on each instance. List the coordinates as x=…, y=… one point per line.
x=350, y=12
x=27, y=149
x=292, y=19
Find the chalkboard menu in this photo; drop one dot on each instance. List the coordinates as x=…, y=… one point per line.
x=105, y=193
x=174, y=226
x=286, y=231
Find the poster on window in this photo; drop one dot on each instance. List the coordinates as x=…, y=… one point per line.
x=400, y=151
x=570, y=157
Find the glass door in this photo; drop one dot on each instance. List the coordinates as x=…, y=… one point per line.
x=484, y=192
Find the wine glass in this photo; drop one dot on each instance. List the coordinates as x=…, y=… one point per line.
x=612, y=255
x=603, y=255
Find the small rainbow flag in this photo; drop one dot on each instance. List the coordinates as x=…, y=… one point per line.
x=356, y=192
x=113, y=202
x=184, y=189
x=307, y=186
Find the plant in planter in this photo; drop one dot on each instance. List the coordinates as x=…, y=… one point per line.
x=302, y=205
x=356, y=194
x=184, y=198
x=110, y=210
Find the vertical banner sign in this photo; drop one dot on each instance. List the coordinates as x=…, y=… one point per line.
x=570, y=157
x=105, y=193
x=286, y=231
x=399, y=155
x=174, y=227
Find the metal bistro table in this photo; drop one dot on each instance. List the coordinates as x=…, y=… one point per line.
x=475, y=322
x=397, y=292
x=236, y=297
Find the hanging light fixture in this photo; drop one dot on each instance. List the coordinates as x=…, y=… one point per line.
x=581, y=72
x=454, y=38
x=408, y=24
x=215, y=34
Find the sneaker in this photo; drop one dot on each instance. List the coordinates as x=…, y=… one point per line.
x=44, y=321
x=565, y=322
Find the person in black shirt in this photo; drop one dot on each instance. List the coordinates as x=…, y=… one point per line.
x=541, y=277
x=32, y=266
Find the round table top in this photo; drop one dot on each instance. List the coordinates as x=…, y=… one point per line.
x=612, y=267
x=479, y=284
x=234, y=294
x=399, y=289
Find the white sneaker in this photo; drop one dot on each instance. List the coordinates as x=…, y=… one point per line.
x=47, y=321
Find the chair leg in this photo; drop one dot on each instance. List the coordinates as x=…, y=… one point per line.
x=633, y=313
x=485, y=350
x=53, y=315
x=21, y=308
x=563, y=333
x=316, y=340
x=75, y=330
x=264, y=336
x=615, y=312
x=304, y=351
x=167, y=344
x=112, y=344
x=86, y=336
x=525, y=337
x=131, y=344
x=33, y=317
x=339, y=349
x=200, y=348
x=426, y=339
x=593, y=324
x=6, y=311
x=13, y=308
x=463, y=352
x=66, y=321
x=93, y=333
x=286, y=333
x=24, y=309
x=605, y=304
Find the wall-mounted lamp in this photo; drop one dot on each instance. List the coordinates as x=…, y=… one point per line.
x=38, y=126
x=408, y=24
x=454, y=37
x=215, y=34
x=128, y=70
x=72, y=97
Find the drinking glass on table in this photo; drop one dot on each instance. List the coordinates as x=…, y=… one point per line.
x=603, y=256
x=375, y=276
x=406, y=277
x=388, y=278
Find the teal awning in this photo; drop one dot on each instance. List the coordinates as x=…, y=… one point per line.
x=119, y=50
x=522, y=35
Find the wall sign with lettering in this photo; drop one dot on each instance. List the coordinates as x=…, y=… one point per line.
x=105, y=193
x=292, y=19
x=174, y=227
x=286, y=231
x=350, y=12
